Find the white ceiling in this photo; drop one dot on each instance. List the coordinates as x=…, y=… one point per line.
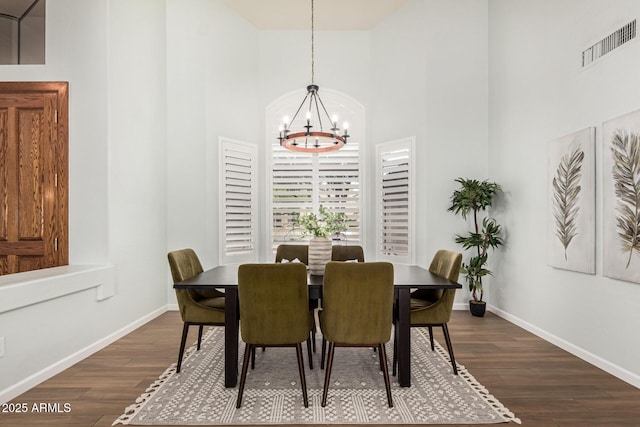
x=328, y=14
x=287, y=14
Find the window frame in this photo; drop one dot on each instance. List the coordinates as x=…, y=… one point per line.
x=382, y=149
x=250, y=150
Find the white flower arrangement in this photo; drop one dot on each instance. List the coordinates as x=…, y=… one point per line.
x=324, y=224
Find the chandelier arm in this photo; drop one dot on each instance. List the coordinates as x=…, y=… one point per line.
x=327, y=113
x=316, y=98
x=299, y=108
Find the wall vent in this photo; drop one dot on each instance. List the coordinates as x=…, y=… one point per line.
x=609, y=43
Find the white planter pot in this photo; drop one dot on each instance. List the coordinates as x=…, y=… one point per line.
x=319, y=255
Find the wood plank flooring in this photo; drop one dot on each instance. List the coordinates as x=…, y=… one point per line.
x=542, y=384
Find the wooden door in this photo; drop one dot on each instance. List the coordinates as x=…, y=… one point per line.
x=33, y=176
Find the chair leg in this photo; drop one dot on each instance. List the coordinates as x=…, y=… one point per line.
x=313, y=330
x=243, y=375
x=200, y=335
x=309, y=352
x=395, y=350
x=447, y=338
x=324, y=351
x=303, y=380
x=327, y=374
x=385, y=371
x=185, y=331
x=431, y=337
x=253, y=357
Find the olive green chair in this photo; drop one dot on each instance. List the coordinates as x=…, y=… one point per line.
x=274, y=312
x=357, y=308
x=347, y=253
x=301, y=252
x=291, y=252
x=433, y=308
x=196, y=307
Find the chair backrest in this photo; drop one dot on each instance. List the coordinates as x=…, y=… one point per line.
x=184, y=264
x=345, y=253
x=446, y=264
x=291, y=252
x=274, y=302
x=357, y=302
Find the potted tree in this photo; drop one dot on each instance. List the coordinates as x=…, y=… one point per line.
x=474, y=196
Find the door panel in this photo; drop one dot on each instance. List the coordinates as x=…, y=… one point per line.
x=34, y=216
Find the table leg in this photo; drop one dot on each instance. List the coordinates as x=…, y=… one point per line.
x=404, y=337
x=231, y=323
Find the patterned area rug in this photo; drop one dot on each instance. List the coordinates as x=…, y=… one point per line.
x=197, y=396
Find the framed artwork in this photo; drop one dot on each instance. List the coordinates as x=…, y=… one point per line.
x=621, y=197
x=571, y=207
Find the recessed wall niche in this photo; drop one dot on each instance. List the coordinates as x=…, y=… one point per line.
x=22, y=31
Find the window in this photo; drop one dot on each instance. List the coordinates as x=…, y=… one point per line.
x=303, y=182
x=395, y=201
x=238, y=195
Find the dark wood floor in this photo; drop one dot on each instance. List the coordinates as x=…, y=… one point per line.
x=542, y=384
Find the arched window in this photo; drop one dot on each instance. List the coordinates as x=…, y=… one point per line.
x=301, y=182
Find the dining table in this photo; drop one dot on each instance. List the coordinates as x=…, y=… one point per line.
x=406, y=278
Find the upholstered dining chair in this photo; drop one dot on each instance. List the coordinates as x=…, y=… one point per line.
x=357, y=307
x=433, y=308
x=196, y=307
x=274, y=311
x=291, y=252
x=347, y=253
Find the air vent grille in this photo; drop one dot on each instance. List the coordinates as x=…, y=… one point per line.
x=609, y=43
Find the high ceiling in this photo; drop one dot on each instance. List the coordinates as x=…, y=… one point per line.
x=286, y=14
x=328, y=14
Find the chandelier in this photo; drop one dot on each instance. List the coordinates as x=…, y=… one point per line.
x=321, y=132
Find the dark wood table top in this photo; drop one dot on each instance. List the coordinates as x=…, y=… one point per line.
x=405, y=276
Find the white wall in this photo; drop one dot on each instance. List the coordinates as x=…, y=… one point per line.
x=212, y=80
x=108, y=51
x=429, y=65
x=538, y=92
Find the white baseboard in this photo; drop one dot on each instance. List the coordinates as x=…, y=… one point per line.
x=605, y=365
x=54, y=369
x=461, y=306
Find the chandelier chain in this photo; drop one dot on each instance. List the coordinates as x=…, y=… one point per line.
x=312, y=47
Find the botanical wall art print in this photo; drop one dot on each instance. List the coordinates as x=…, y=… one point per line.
x=621, y=197
x=571, y=217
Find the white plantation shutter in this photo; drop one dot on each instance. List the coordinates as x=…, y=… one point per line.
x=339, y=186
x=292, y=189
x=238, y=201
x=395, y=201
x=303, y=182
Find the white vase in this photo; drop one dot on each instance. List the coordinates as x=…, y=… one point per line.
x=319, y=255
